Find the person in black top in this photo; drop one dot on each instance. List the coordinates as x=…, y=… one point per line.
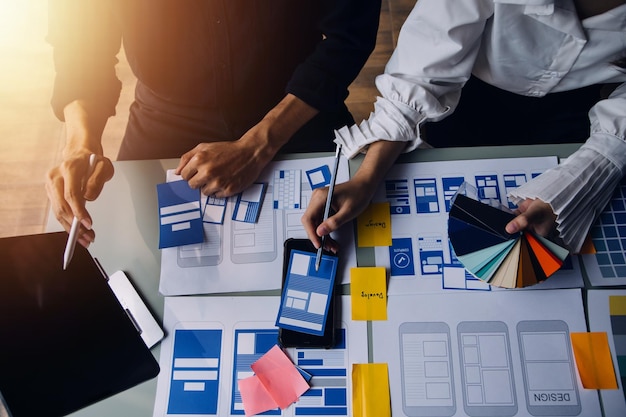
x=227, y=84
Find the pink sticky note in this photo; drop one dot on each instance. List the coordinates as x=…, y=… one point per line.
x=280, y=377
x=256, y=399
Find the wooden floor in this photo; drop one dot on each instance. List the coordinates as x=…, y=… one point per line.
x=31, y=138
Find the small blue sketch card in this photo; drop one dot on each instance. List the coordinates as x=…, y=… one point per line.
x=307, y=293
x=214, y=209
x=249, y=202
x=180, y=216
x=319, y=177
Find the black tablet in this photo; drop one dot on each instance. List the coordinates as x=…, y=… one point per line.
x=65, y=341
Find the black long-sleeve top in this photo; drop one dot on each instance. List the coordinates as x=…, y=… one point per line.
x=194, y=57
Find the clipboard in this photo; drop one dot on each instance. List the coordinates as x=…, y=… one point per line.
x=66, y=342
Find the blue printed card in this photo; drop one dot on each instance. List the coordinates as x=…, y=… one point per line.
x=319, y=177
x=248, y=205
x=307, y=293
x=180, y=216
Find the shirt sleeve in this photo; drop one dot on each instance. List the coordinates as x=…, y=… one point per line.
x=86, y=39
x=349, y=28
x=580, y=188
x=436, y=51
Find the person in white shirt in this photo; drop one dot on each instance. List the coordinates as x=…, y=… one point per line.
x=539, y=49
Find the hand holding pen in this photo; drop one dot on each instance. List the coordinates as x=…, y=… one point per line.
x=76, y=222
x=329, y=198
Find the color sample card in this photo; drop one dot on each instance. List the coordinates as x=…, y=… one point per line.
x=479, y=240
x=374, y=226
x=248, y=205
x=368, y=289
x=179, y=214
x=307, y=293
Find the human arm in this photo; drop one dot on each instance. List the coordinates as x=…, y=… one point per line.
x=578, y=189
x=422, y=82
x=319, y=83
x=67, y=184
x=86, y=89
x=352, y=197
x=227, y=168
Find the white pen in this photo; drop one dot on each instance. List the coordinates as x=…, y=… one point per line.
x=329, y=198
x=73, y=236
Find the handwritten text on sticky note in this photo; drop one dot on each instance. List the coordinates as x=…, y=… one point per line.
x=368, y=289
x=374, y=226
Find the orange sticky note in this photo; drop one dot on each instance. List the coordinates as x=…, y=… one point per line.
x=368, y=292
x=374, y=226
x=370, y=390
x=593, y=359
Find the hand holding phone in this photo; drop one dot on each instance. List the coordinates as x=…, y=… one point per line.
x=304, y=302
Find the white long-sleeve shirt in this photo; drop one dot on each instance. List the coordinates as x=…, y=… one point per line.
x=529, y=47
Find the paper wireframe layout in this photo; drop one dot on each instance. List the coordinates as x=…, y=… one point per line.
x=420, y=194
x=307, y=293
x=179, y=214
x=240, y=256
x=214, y=209
x=248, y=204
x=606, y=309
x=287, y=189
x=468, y=361
x=212, y=341
x=608, y=265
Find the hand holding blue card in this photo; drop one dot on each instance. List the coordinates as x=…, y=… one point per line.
x=180, y=216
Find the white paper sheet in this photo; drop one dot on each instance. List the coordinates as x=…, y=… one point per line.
x=239, y=256
x=211, y=342
x=613, y=401
x=419, y=195
x=461, y=354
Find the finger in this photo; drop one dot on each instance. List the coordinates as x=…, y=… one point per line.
x=55, y=190
x=184, y=160
x=536, y=215
x=313, y=215
x=103, y=172
x=86, y=237
x=331, y=245
x=517, y=224
x=310, y=226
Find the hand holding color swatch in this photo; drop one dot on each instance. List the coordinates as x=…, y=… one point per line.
x=478, y=237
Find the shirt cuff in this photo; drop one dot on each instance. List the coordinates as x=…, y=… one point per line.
x=579, y=188
x=390, y=121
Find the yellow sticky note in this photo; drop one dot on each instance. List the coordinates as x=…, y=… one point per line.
x=593, y=359
x=374, y=226
x=368, y=292
x=370, y=390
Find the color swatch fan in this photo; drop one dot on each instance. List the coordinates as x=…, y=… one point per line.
x=480, y=242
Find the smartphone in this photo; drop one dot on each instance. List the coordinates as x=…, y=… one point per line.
x=548, y=368
x=290, y=338
x=426, y=369
x=486, y=369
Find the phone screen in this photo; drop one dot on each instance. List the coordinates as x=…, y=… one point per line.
x=291, y=338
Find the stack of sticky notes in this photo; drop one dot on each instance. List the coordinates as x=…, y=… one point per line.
x=480, y=242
